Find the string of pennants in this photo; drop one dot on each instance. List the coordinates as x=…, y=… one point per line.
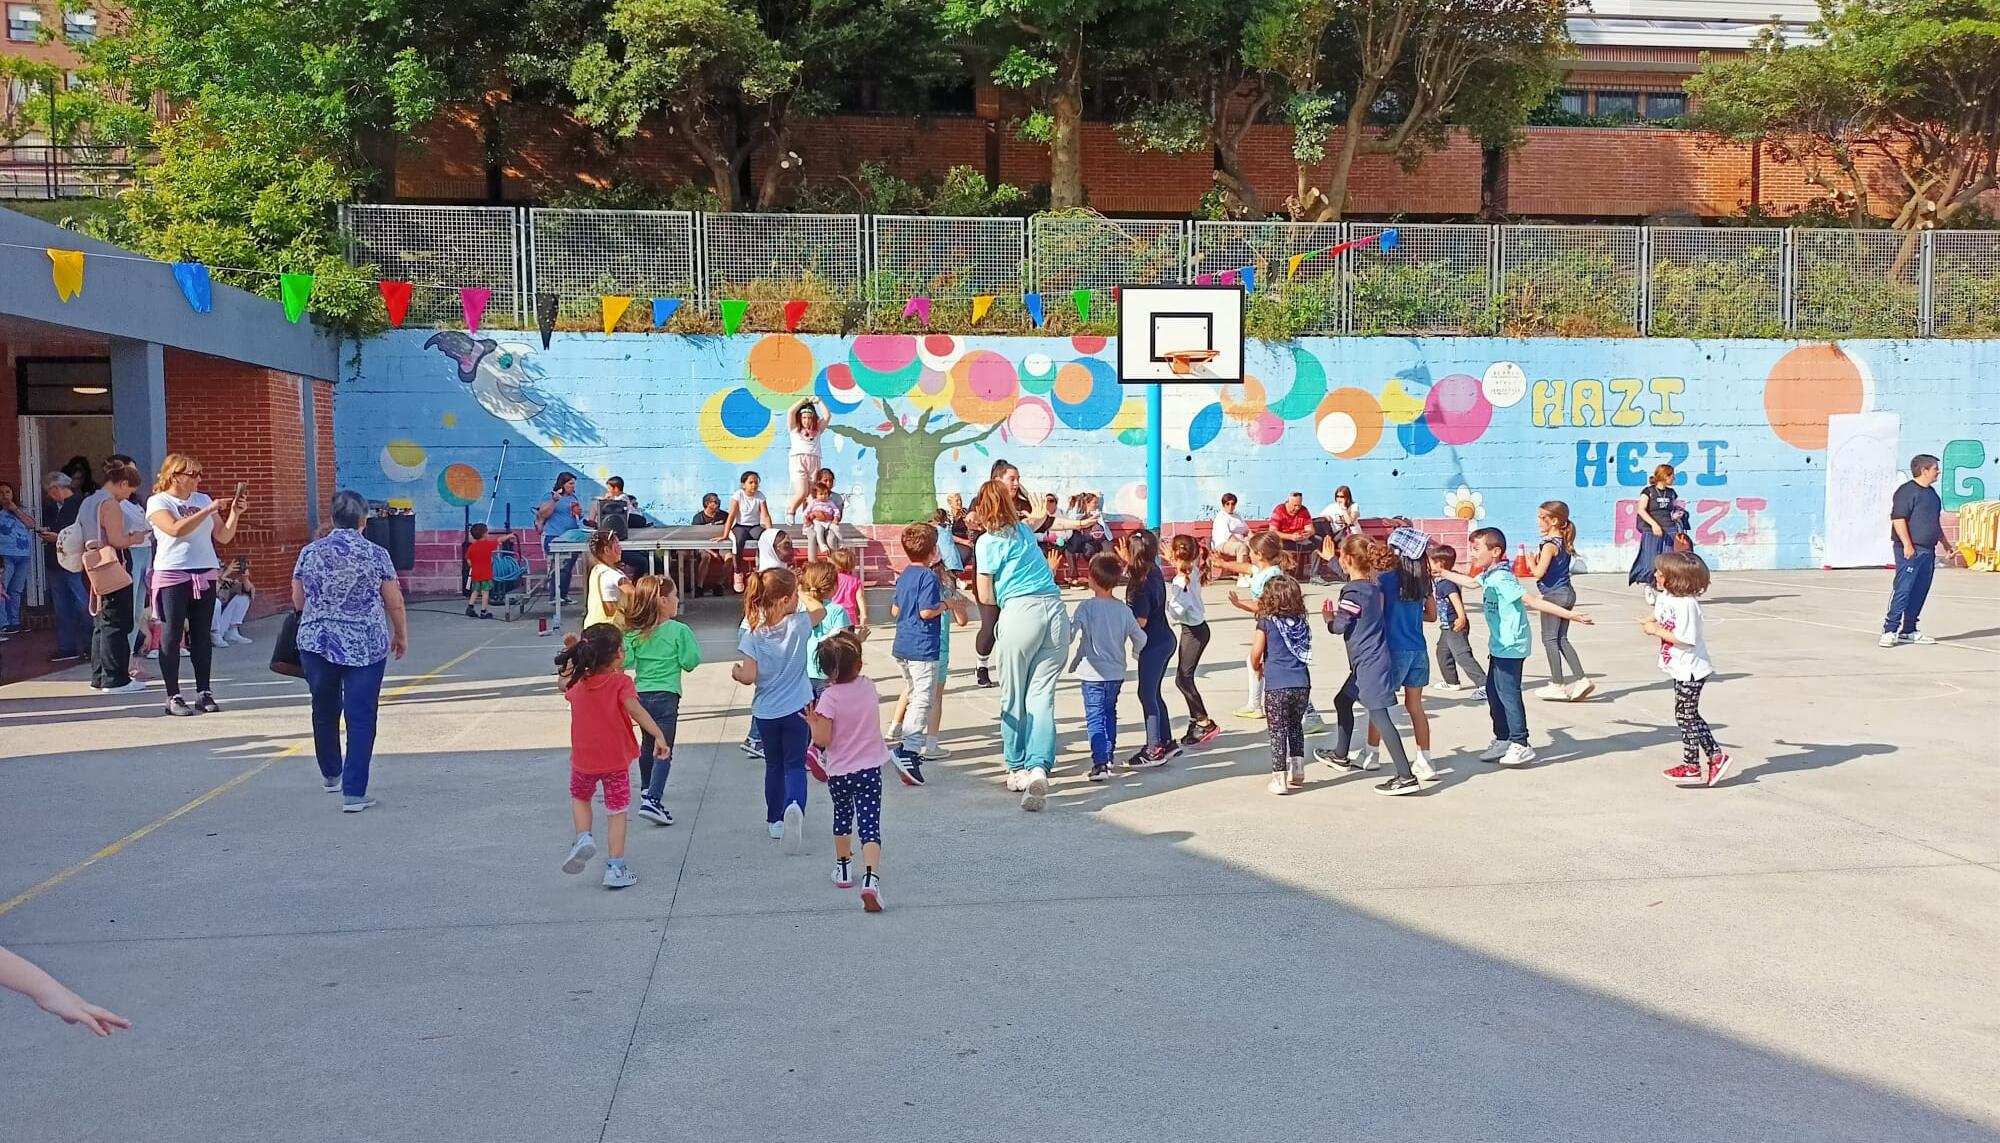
x=295, y=292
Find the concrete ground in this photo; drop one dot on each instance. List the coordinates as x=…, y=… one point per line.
x=1577, y=950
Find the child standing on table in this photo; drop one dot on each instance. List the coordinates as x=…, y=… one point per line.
x=1281, y=658
x=1676, y=622
x=603, y=705
x=658, y=647
x=1507, y=605
x=1102, y=626
x=918, y=648
x=1189, y=613
x=847, y=727
x=479, y=570
x=806, y=424
x=1454, y=647
x=777, y=624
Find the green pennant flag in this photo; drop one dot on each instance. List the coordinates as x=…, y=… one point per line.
x=1082, y=299
x=297, y=290
x=733, y=310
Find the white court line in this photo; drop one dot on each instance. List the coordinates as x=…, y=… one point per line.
x=1883, y=593
x=1864, y=630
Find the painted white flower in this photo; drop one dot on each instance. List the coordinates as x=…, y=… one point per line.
x=1465, y=504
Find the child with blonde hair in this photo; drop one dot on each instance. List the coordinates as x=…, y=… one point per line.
x=777, y=625
x=658, y=648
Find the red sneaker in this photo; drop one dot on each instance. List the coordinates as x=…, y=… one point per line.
x=1685, y=772
x=1717, y=767
x=813, y=766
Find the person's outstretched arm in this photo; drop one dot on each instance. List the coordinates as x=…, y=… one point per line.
x=24, y=976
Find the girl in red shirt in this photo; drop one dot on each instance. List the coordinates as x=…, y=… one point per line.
x=603, y=705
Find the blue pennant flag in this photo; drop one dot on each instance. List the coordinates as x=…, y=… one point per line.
x=1034, y=304
x=193, y=277
x=1389, y=240
x=664, y=310
x=1249, y=279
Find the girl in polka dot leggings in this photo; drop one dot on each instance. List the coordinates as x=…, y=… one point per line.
x=847, y=727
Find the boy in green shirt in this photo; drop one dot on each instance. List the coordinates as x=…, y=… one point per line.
x=1507, y=606
x=658, y=648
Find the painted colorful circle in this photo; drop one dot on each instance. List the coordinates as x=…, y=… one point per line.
x=983, y=387
x=1205, y=427
x=1808, y=386
x=1087, y=343
x=836, y=388
x=1031, y=421
x=1398, y=406
x=781, y=363
x=403, y=461
x=932, y=391
x=1360, y=407
x=734, y=426
x=940, y=351
x=1073, y=382
x=1308, y=388
x=460, y=485
x=1457, y=411
x=1504, y=384
x=1337, y=432
x=884, y=365
x=1038, y=374
x=1243, y=402
x=1098, y=404
x=1416, y=437
x=1265, y=429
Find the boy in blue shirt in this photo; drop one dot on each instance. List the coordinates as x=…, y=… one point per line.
x=918, y=647
x=1454, y=647
x=1507, y=606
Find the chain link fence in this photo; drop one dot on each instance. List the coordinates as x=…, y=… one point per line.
x=579, y=255
x=441, y=249
x=1575, y=281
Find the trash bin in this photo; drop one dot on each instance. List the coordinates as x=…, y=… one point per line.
x=398, y=534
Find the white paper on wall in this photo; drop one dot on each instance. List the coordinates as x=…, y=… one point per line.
x=1863, y=468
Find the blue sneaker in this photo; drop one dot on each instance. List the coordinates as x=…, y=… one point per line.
x=910, y=766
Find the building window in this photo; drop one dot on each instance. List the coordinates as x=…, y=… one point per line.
x=1617, y=105
x=1576, y=103
x=1666, y=104
x=63, y=386
x=80, y=27
x=24, y=23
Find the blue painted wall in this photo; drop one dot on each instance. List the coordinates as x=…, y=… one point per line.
x=1420, y=427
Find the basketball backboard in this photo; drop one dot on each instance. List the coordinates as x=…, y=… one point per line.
x=1169, y=334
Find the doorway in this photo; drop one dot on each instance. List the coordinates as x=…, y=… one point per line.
x=65, y=412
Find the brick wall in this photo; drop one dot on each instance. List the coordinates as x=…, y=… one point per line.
x=244, y=423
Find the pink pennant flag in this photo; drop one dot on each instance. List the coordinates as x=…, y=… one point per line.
x=919, y=308
x=1229, y=277
x=474, y=299
x=1204, y=279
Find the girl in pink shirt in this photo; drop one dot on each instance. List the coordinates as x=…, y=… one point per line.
x=847, y=589
x=847, y=727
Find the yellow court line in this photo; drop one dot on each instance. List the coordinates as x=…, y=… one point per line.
x=118, y=846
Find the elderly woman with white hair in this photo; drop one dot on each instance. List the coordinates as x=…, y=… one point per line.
x=350, y=622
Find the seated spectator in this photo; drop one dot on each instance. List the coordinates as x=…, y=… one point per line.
x=1292, y=524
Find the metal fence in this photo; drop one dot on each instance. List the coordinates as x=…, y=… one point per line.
x=1434, y=279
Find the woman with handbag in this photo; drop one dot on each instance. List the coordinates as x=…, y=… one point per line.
x=1662, y=527
x=351, y=621
x=185, y=570
x=107, y=538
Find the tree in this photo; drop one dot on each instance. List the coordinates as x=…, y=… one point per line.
x=732, y=77
x=1214, y=93
x=1909, y=88
x=906, y=459
x=1399, y=75
x=77, y=113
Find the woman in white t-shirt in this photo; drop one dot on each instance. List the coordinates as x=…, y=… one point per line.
x=1229, y=541
x=187, y=525
x=807, y=423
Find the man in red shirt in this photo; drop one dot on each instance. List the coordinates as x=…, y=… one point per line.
x=1292, y=523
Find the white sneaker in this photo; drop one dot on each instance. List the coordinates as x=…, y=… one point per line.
x=777, y=830
x=1420, y=765
x=1278, y=785
x=1652, y=597
x=239, y=638
x=1581, y=689
x=1888, y=639
x=153, y=654
x=934, y=752
x=1016, y=780
x=1517, y=755
x=1916, y=639
x=579, y=853
x=794, y=826
x=1312, y=722
x=1449, y=686
x=131, y=688
x=1553, y=693
x=1295, y=773
x=1035, y=794
x=1495, y=750
x=615, y=876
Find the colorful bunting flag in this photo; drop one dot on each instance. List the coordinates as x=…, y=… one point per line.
x=852, y=317
x=663, y=310
x=614, y=308
x=474, y=299
x=1390, y=240
x=1082, y=300
x=195, y=286
x=546, y=307
x=395, y=299
x=1204, y=279
x=1249, y=279
x=795, y=312
x=919, y=308
x=981, y=303
x=66, y=267
x=733, y=310
x=296, y=290
x=1227, y=278
x=1293, y=263
x=1034, y=304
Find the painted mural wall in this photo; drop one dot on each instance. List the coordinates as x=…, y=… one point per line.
x=1479, y=428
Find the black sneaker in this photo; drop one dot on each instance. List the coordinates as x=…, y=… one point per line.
x=1147, y=759
x=985, y=678
x=1099, y=771
x=486, y=615
x=471, y=612
x=653, y=811
x=910, y=766
x=204, y=703
x=64, y=657
x=1339, y=761
x=178, y=707
x=1397, y=787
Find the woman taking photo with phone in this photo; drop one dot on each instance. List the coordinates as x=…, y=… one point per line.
x=187, y=525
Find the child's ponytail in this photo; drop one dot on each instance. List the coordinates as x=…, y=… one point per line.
x=1565, y=529
x=762, y=592
x=590, y=653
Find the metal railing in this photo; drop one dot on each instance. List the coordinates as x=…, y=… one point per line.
x=37, y=171
x=1437, y=279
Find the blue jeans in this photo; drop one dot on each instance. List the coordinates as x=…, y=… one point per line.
x=1913, y=586
x=16, y=580
x=1100, y=713
x=72, y=604
x=343, y=692
x=1503, y=699
x=1153, y=659
x=785, y=742
x=665, y=707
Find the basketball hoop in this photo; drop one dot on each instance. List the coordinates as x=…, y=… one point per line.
x=1183, y=361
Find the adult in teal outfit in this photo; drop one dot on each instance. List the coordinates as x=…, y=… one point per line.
x=1030, y=639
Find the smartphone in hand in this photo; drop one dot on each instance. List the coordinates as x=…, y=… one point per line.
x=242, y=486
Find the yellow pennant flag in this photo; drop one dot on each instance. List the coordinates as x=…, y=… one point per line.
x=614, y=308
x=67, y=270
x=980, y=304
x=1292, y=265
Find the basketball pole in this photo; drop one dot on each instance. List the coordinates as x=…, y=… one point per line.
x=1155, y=429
